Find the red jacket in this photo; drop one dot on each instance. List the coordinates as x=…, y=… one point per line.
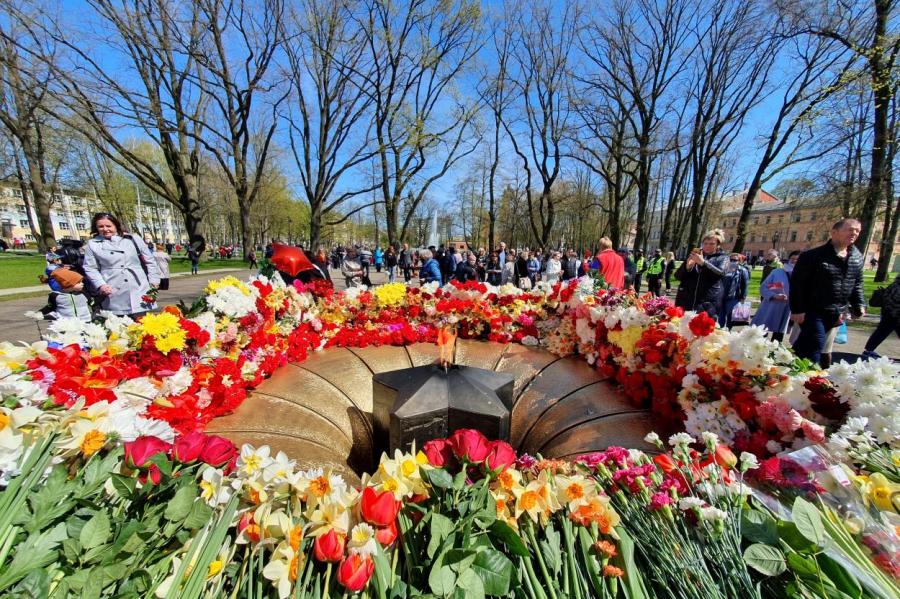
x=612, y=267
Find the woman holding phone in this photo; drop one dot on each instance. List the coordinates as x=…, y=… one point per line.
x=700, y=276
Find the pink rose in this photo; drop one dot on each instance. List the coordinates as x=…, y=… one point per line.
x=139, y=451
x=469, y=444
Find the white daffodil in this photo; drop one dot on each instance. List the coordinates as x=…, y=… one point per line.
x=253, y=460
x=362, y=540
x=282, y=569
x=279, y=470
x=213, y=488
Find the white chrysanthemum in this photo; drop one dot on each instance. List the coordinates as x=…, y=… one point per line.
x=137, y=393
x=178, y=383
x=22, y=390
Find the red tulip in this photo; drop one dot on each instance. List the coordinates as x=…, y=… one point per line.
x=386, y=535
x=501, y=456
x=724, y=456
x=330, y=546
x=469, y=444
x=139, y=451
x=188, y=447
x=355, y=571
x=218, y=451
x=379, y=509
x=438, y=452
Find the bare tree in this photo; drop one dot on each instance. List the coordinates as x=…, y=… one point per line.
x=731, y=74
x=236, y=60
x=152, y=88
x=819, y=67
x=417, y=50
x=867, y=29
x=545, y=38
x=24, y=80
x=328, y=132
x=639, y=49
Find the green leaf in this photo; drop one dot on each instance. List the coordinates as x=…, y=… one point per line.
x=34, y=586
x=441, y=528
x=200, y=514
x=759, y=527
x=459, y=560
x=504, y=533
x=839, y=576
x=95, y=531
x=549, y=547
x=124, y=485
x=439, y=478
x=765, y=559
x=442, y=580
x=633, y=587
x=802, y=566
x=808, y=521
x=470, y=584
x=93, y=586
x=382, y=577
x=180, y=505
x=495, y=571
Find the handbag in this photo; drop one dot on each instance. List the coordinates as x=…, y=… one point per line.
x=741, y=312
x=524, y=283
x=877, y=300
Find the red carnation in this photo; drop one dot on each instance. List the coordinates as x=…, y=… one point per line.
x=702, y=324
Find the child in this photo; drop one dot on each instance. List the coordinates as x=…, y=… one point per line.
x=69, y=301
x=54, y=261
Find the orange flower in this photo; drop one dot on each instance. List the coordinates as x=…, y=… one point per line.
x=613, y=572
x=605, y=548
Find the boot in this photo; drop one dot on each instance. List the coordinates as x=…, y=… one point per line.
x=825, y=361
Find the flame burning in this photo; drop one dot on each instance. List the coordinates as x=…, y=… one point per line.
x=446, y=340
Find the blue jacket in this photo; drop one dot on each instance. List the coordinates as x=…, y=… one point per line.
x=430, y=271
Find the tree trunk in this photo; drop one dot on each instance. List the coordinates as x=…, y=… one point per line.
x=47, y=238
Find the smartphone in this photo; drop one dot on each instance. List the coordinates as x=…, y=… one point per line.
x=696, y=251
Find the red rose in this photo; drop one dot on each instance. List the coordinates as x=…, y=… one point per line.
x=438, y=452
x=377, y=508
x=330, y=546
x=702, y=324
x=153, y=475
x=469, y=444
x=501, y=456
x=188, y=447
x=355, y=571
x=139, y=451
x=386, y=535
x=218, y=451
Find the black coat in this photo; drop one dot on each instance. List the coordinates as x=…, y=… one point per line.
x=464, y=272
x=700, y=288
x=826, y=284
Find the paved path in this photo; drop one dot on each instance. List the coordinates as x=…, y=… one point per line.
x=184, y=287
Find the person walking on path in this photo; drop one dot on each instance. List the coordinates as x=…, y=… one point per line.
x=194, y=256
x=406, y=262
x=700, y=276
x=611, y=264
x=670, y=270
x=379, y=258
x=162, y=263
x=774, y=311
x=352, y=269
x=890, y=320
x=655, y=270
x=121, y=267
x=735, y=284
x=251, y=258
x=390, y=261
x=827, y=287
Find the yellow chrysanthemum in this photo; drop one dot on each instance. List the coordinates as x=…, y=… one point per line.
x=626, y=339
x=229, y=281
x=392, y=294
x=171, y=341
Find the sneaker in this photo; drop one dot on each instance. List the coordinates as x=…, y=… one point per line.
x=870, y=355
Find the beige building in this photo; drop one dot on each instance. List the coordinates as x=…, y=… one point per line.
x=789, y=226
x=71, y=213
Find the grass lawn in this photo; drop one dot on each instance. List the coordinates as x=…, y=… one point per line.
x=869, y=285
x=23, y=271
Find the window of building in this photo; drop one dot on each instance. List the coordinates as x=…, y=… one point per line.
x=753, y=238
x=63, y=225
x=80, y=225
x=762, y=237
x=755, y=220
x=17, y=193
x=793, y=236
x=29, y=238
x=80, y=214
x=23, y=223
x=768, y=219
x=796, y=218
x=21, y=207
x=809, y=236
x=780, y=218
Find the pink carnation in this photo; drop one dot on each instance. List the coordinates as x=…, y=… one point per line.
x=659, y=501
x=814, y=432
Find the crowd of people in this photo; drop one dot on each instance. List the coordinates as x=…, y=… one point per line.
x=806, y=299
